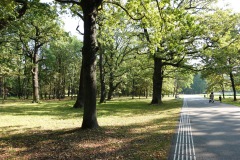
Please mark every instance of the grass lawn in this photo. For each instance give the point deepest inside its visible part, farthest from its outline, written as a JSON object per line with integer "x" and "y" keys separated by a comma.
{"x": 130, "y": 129}
{"x": 229, "y": 100}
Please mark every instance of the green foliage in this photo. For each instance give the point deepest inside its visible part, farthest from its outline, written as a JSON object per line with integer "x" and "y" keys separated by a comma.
{"x": 119, "y": 44}
{"x": 198, "y": 85}
{"x": 38, "y": 30}
{"x": 176, "y": 80}
{"x": 223, "y": 57}
{"x": 7, "y": 8}
{"x": 60, "y": 68}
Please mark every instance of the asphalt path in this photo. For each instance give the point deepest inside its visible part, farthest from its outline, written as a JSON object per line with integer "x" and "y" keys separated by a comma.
{"x": 207, "y": 131}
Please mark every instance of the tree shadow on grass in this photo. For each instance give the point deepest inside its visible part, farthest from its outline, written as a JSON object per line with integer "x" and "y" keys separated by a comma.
{"x": 150, "y": 140}
{"x": 60, "y": 109}
{"x": 64, "y": 109}
{"x": 121, "y": 108}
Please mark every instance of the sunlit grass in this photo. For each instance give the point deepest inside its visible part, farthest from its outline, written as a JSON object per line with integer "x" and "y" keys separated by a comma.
{"x": 130, "y": 129}
{"x": 229, "y": 100}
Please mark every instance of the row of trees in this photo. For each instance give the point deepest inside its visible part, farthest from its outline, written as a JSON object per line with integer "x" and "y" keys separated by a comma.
{"x": 129, "y": 48}
{"x": 222, "y": 61}
{"x": 37, "y": 55}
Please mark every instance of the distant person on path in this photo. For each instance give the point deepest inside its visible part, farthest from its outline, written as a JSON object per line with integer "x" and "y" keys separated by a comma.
{"x": 211, "y": 98}
{"x": 220, "y": 98}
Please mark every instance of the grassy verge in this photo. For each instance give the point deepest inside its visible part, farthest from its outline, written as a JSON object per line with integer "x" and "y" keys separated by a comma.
{"x": 229, "y": 100}
{"x": 130, "y": 129}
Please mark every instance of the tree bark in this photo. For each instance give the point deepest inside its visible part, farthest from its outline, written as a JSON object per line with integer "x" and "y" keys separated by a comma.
{"x": 223, "y": 93}
{"x": 80, "y": 100}
{"x": 64, "y": 86}
{"x": 102, "y": 78}
{"x": 157, "y": 81}
{"x": 35, "y": 78}
{"x": 233, "y": 87}
{"x": 89, "y": 51}
{"x": 112, "y": 88}
{"x": 110, "y": 85}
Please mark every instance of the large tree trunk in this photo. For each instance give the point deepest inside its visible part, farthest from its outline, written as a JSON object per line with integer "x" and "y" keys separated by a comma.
{"x": 35, "y": 79}
{"x": 233, "y": 87}
{"x": 157, "y": 81}
{"x": 89, "y": 51}
{"x": 80, "y": 101}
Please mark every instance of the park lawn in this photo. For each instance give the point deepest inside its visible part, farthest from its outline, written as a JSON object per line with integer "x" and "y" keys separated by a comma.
{"x": 129, "y": 129}
{"x": 229, "y": 100}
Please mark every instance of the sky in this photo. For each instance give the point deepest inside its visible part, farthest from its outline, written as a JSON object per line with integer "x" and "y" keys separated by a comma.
{"x": 72, "y": 23}
{"x": 233, "y": 4}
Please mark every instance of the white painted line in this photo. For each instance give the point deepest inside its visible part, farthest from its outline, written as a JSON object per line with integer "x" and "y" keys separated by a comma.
{"x": 184, "y": 148}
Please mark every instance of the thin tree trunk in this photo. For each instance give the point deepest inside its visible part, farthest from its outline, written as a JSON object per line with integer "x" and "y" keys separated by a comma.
{"x": 28, "y": 91}
{"x": 110, "y": 92}
{"x": 146, "y": 93}
{"x": 80, "y": 96}
{"x": 102, "y": 77}
{"x": 223, "y": 93}
{"x": 25, "y": 80}
{"x": 64, "y": 86}
{"x": 223, "y": 90}
{"x": 35, "y": 79}
{"x": 112, "y": 88}
{"x": 3, "y": 89}
{"x": 69, "y": 90}
{"x": 133, "y": 88}
{"x": 19, "y": 86}
{"x": 233, "y": 87}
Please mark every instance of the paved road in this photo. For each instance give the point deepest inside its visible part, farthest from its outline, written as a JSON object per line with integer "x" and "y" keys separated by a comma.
{"x": 207, "y": 131}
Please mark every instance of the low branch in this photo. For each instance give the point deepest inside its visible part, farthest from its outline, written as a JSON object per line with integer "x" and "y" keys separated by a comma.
{"x": 79, "y": 15}
{"x": 69, "y": 1}
{"x": 79, "y": 30}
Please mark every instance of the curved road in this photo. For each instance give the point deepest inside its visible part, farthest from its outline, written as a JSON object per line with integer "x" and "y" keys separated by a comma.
{"x": 207, "y": 131}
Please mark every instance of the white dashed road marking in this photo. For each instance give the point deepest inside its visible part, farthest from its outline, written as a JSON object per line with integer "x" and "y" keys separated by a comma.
{"x": 184, "y": 149}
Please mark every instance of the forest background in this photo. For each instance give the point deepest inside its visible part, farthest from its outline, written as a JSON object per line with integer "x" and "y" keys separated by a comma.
{"x": 134, "y": 53}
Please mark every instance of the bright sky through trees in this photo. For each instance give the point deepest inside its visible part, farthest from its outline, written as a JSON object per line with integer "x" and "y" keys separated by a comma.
{"x": 233, "y": 4}
{"x": 72, "y": 23}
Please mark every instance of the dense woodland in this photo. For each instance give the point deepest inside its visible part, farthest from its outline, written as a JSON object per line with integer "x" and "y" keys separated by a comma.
{"x": 130, "y": 48}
